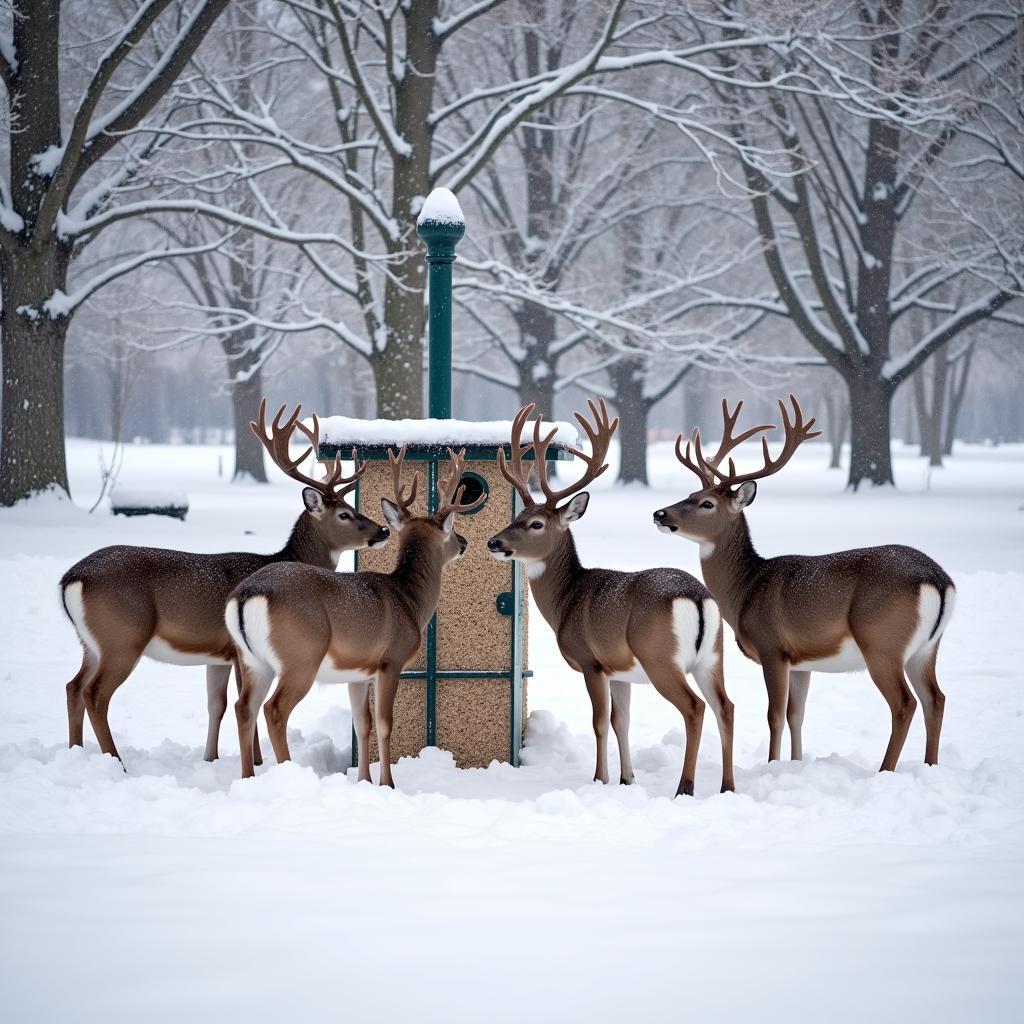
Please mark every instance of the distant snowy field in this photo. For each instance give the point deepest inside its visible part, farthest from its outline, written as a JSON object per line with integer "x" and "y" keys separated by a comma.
{"x": 818, "y": 891}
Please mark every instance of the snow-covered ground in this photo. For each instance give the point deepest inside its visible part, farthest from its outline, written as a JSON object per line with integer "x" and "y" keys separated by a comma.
{"x": 819, "y": 891}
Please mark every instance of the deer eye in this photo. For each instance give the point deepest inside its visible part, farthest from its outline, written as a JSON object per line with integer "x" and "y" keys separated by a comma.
{"x": 707, "y": 504}
{"x": 344, "y": 515}
{"x": 536, "y": 525}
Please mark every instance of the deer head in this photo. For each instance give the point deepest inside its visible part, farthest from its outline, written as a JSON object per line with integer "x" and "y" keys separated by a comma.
{"x": 438, "y": 529}
{"x": 535, "y": 533}
{"x": 710, "y": 512}
{"x": 341, "y": 527}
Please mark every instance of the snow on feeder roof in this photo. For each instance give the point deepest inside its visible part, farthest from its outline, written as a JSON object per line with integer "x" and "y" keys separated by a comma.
{"x": 344, "y": 432}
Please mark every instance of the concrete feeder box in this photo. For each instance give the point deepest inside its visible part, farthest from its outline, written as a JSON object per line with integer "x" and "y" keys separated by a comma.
{"x": 466, "y": 692}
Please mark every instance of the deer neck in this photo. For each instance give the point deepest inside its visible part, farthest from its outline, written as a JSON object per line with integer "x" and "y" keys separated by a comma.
{"x": 417, "y": 579}
{"x": 729, "y": 567}
{"x": 306, "y": 544}
{"x": 554, "y": 580}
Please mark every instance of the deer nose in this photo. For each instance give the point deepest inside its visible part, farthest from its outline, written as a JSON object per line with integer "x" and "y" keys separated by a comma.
{"x": 660, "y": 516}
{"x": 494, "y": 544}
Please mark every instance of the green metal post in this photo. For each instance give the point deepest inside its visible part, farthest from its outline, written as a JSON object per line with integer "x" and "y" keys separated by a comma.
{"x": 441, "y": 237}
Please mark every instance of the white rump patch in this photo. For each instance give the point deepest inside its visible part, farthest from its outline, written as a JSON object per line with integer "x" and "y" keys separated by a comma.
{"x": 75, "y": 605}
{"x": 685, "y": 626}
{"x": 928, "y": 603}
{"x": 160, "y": 650}
{"x": 847, "y": 659}
{"x": 254, "y": 647}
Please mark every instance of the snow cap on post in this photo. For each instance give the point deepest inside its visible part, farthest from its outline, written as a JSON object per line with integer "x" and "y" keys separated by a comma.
{"x": 442, "y": 207}
{"x": 441, "y": 224}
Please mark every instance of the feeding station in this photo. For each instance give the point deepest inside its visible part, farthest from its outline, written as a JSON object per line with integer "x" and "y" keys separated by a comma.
{"x": 466, "y": 693}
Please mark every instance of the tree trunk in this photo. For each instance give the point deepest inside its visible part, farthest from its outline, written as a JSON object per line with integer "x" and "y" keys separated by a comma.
{"x": 537, "y": 332}
{"x": 398, "y": 362}
{"x": 32, "y": 420}
{"x": 628, "y": 380}
{"x": 633, "y": 442}
{"x": 958, "y": 388}
{"x": 870, "y": 432}
{"x": 932, "y": 417}
{"x": 838, "y": 423}
{"x": 246, "y": 392}
{"x": 398, "y": 368}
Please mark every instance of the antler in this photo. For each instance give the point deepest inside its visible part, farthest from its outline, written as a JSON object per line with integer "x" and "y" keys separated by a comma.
{"x": 402, "y": 499}
{"x": 796, "y": 433}
{"x": 600, "y": 434}
{"x": 519, "y": 474}
{"x": 449, "y": 492}
{"x": 334, "y": 485}
{"x": 705, "y": 467}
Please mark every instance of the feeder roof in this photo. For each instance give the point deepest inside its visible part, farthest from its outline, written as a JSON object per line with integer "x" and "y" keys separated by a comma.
{"x": 345, "y": 432}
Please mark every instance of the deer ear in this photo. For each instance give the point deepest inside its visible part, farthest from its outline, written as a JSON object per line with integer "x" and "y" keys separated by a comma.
{"x": 574, "y": 508}
{"x": 393, "y": 514}
{"x": 744, "y": 494}
{"x": 449, "y": 523}
{"x": 314, "y": 501}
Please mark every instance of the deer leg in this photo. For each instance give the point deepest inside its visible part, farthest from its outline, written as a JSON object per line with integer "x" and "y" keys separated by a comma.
{"x": 359, "y": 699}
{"x": 799, "y": 684}
{"x": 217, "y": 677}
{"x": 597, "y": 687}
{"x": 257, "y": 754}
{"x": 887, "y": 674}
{"x": 76, "y": 703}
{"x": 921, "y": 670}
{"x": 776, "y": 679}
{"x": 291, "y": 688}
{"x": 710, "y": 679}
{"x": 384, "y": 715}
{"x": 254, "y": 683}
{"x": 113, "y": 671}
{"x": 621, "y": 692}
{"x": 671, "y": 683}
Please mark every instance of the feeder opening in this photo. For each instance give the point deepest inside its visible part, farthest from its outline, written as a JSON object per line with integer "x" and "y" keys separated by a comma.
{"x": 475, "y": 486}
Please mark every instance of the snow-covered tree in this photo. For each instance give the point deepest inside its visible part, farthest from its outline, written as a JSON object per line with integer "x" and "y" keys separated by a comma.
{"x": 62, "y": 172}
{"x": 391, "y": 106}
{"x": 893, "y": 122}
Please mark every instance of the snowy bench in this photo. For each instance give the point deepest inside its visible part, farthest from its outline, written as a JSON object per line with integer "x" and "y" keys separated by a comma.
{"x": 133, "y": 501}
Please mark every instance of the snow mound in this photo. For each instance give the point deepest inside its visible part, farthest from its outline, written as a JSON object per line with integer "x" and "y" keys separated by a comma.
{"x": 147, "y": 497}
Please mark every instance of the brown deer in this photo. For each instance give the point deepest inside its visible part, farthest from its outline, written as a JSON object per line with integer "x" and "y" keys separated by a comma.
{"x": 301, "y": 623}
{"x": 617, "y": 628}
{"x": 880, "y": 608}
{"x": 129, "y": 602}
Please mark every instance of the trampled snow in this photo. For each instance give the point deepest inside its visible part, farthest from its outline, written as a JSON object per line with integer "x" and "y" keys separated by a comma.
{"x": 822, "y": 889}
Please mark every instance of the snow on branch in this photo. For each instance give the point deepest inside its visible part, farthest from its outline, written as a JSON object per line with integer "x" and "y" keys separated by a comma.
{"x": 60, "y": 304}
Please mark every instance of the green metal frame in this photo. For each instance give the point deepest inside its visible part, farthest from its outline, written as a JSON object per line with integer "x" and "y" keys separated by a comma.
{"x": 515, "y": 675}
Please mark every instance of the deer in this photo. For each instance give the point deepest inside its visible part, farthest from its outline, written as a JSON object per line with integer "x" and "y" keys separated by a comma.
{"x": 130, "y": 602}
{"x": 616, "y": 628}
{"x": 302, "y": 623}
{"x": 883, "y": 609}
